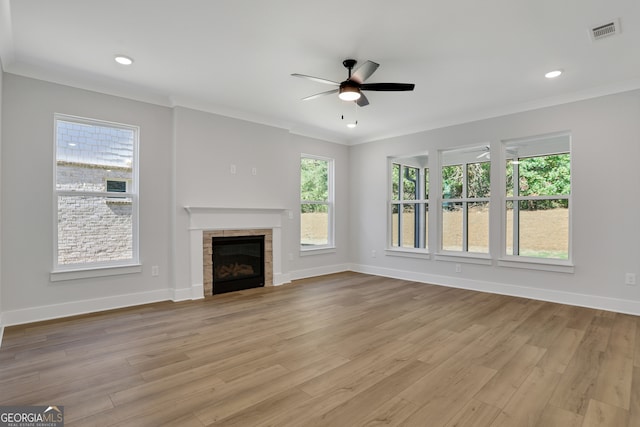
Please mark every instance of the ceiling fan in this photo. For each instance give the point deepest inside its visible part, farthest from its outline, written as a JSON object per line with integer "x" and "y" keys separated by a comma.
{"x": 351, "y": 89}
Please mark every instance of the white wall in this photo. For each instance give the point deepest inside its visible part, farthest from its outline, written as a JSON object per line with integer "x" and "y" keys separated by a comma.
{"x": 207, "y": 145}
{"x": 605, "y": 181}
{"x": 185, "y": 159}
{"x": 27, "y": 202}
{"x": 315, "y": 265}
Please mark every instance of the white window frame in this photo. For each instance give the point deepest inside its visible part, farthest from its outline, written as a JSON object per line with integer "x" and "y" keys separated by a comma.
{"x": 520, "y": 261}
{"x": 330, "y": 246}
{"x": 421, "y": 204}
{"x": 446, "y": 254}
{"x": 103, "y": 268}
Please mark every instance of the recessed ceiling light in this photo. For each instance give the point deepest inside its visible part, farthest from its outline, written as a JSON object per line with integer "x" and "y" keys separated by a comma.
{"x": 123, "y": 60}
{"x": 553, "y": 74}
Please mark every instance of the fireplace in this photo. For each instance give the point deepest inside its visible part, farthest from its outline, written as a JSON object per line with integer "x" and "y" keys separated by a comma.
{"x": 207, "y": 239}
{"x": 206, "y": 222}
{"x": 238, "y": 263}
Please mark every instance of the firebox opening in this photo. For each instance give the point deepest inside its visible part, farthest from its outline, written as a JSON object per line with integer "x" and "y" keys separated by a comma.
{"x": 238, "y": 263}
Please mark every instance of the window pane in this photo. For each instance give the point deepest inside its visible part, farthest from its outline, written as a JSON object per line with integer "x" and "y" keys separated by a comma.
{"x": 395, "y": 182}
{"x": 452, "y": 226}
{"x": 409, "y": 183}
{"x": 509, "y": 183}
{"x": 478, "y": 183}
{"x": 426, "y": 183}
{"x": 94, "y": 229}
{"x": 478, "y": 228}
{"x": 395, "y": 225}
{"x": 314, "y": 182}
{"x": 409, "y": 226}
{"x": 88, "y": 154}
{"x": 544, "y": 228}
{"x": 408, "y": 217}
{"x": 452, "y": 182}
{"x": 114, "y": 186}
{"x": 544, "y": 175}
{"x": 314, "y": 224}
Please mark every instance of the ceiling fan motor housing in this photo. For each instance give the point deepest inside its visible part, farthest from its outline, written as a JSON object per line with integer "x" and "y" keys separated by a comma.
{"x": 349, "y": 63}
{"x": 349, "y": 85}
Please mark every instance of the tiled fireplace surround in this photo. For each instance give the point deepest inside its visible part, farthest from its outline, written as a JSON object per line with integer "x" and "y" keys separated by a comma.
{"x": 208, "y": 222}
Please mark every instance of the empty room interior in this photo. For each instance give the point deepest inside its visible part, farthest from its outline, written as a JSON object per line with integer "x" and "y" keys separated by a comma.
{"x": 285, "y": 213}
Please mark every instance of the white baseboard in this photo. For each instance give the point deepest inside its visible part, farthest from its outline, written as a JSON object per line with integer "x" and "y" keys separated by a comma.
{"x": 318, "y": 271}
{"x": 55, "y": 311}
{"x": 569, "y": 298}
{"x": 281, "y": 279}
{"x": 187, "y": 294}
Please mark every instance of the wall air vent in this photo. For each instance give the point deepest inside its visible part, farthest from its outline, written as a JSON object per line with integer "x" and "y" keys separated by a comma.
{"x": 611, "y": 28}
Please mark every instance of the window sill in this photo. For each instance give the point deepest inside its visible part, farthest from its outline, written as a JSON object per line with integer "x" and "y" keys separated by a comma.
{"x": 537, "y": 264}
{"x": 86, "y": 273}
{"x": 466, "y": 257}
{"x": 408, "y": 253}
{"x": 317, "y": 251}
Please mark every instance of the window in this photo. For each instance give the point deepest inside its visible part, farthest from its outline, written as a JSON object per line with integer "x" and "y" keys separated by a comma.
{"x": 96, "y": 194}
{"x": 409, "y": 203}
{"x": 316, "y": 202}
{"x": 465, "y": 200}
{"x": 538, "y": 187}
{"x": 116, "y": 185}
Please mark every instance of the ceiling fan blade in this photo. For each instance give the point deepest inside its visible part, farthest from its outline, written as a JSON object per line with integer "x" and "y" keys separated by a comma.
{"x": 364, "y": 71}
{"x": 362, "y": 101}
{"x": 318, "y": 95}
{"x": 388, "y": 87}
{"x": 316, "y": 79}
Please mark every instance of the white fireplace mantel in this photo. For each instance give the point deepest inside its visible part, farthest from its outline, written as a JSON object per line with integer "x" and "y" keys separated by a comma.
{"x": 232, "y": 218}
{"x": 217, "y": 218}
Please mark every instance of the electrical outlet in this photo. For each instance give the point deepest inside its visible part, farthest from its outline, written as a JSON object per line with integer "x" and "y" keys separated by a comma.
{"x": 373, "y": 253}
{"x": 458, "y": 268}
{"x": 155, "y": 270}
{"x": 254, "y": 171}
{"x": 232, "y": 169}
{"x": 630, "y": 279}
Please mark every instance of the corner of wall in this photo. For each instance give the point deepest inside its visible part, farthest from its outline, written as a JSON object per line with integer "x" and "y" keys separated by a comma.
{"x": 173, "y": 204}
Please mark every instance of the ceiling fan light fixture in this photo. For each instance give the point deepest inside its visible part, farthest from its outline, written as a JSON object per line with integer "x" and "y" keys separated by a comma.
{"x": 349, "y": 93}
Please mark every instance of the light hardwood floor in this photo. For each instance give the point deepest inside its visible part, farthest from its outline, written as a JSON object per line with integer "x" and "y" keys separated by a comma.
{"x": 340, "y": 350}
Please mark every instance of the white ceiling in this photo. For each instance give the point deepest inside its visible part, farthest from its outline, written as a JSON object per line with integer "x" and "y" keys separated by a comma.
{"x": 469, "y": 59}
